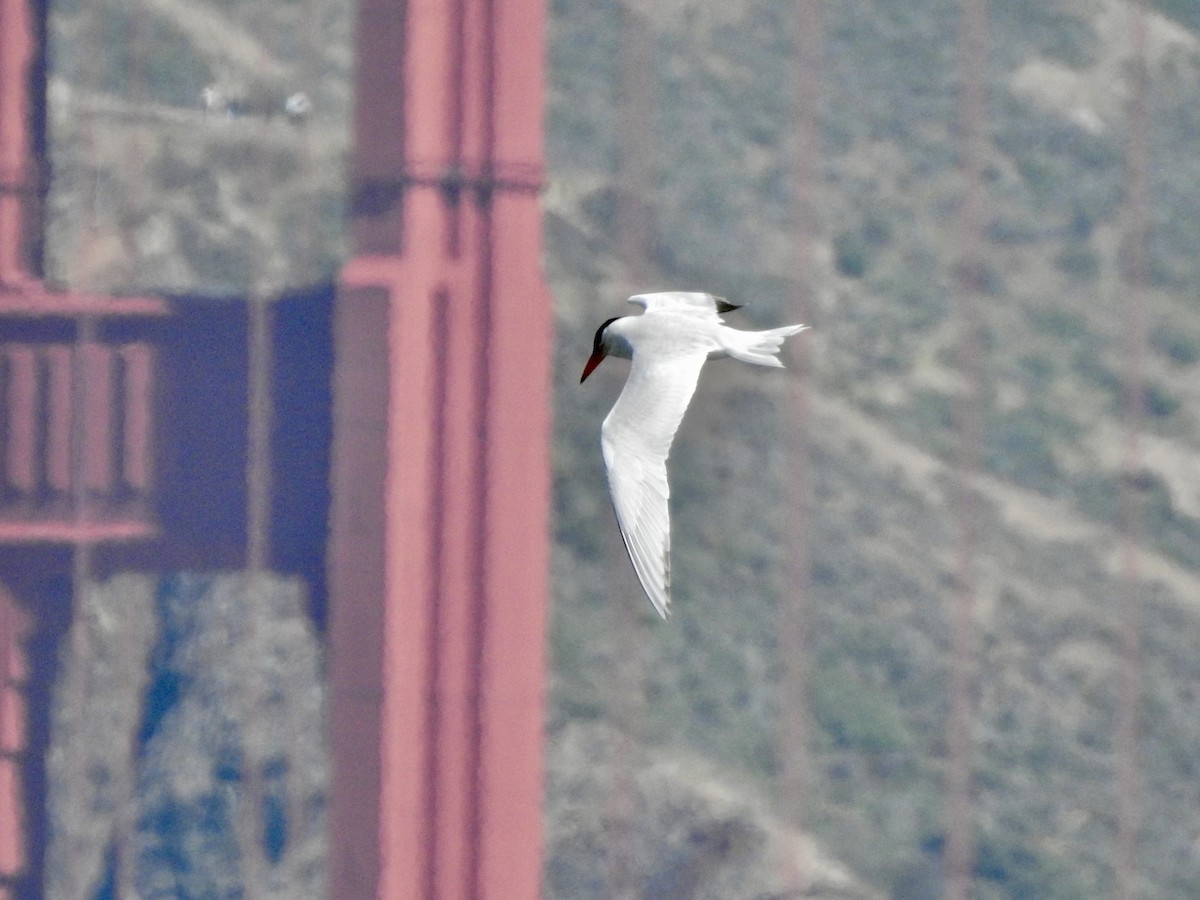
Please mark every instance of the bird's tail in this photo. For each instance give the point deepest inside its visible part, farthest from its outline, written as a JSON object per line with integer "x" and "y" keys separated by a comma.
{"x": 759, "y": 347}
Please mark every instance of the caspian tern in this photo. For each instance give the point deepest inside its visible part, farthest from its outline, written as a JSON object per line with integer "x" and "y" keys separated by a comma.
{"x": 668, "y": 344}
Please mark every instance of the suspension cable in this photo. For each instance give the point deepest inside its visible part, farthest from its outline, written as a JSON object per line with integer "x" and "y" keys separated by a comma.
{"x": 959, "y": 814}
{"x": 637, "y": 155}
{"x": 1134, "y": 278}
{"x": 794, "y": 726}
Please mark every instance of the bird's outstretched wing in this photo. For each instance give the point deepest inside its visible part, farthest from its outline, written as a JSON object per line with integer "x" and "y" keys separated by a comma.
{"x": 635, "y": 439}
{"x": 691, "y": 302}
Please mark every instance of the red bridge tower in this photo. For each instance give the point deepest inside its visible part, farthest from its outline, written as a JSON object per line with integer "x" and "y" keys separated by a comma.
{"x": 439, "y": 533}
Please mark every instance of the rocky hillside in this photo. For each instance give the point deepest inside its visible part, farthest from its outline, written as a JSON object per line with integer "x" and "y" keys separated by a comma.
{"x": 884, "y": 528}
{"x": 198, "y": 148}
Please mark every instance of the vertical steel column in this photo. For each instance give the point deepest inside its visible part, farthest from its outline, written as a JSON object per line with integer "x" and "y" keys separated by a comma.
{"x": 636, "y": 177}
{"x": 16, "y": 55}
{"x": 13, "y": 854}
{"x": 1135, "y": 277}
{"x": 794, "y": 728}
{"x": 637, "y": 151}
{"x": 959, "y": 815}
{"x": 18, "y": 191}
{"x": 439, "y": 528}
{"x": 260, "y": 420}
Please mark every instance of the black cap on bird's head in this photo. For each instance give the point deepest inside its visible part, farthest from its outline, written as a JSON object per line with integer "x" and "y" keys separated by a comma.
{"x": 598, "y": 351}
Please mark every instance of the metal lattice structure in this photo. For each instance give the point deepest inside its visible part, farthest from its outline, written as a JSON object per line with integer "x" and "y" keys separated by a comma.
{"x": 77, "y": 419}
{"x": 443, "y": 332}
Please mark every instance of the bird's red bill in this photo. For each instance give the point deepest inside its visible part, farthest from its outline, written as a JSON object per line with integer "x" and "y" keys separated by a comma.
{"x": 594, "y": 360}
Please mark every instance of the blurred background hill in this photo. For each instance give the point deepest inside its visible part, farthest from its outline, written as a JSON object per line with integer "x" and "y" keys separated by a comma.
{"x": 881, "y": 430}
{"x": 222, "y": 202}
